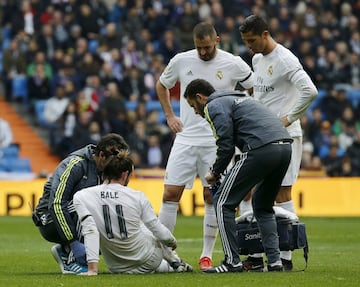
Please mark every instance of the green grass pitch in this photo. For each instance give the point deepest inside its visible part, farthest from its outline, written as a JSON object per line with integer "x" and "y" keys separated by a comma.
{"x": 26, "y": 261}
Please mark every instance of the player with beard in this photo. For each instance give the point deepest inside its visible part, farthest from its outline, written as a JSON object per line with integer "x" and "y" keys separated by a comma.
{"x": 194, "y": 148}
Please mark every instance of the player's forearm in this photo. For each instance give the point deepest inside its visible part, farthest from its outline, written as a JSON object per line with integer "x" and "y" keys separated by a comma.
{"x": 308, "y": 93}
{"x": 164, "y": 98}
{"x": 161, "y": 233}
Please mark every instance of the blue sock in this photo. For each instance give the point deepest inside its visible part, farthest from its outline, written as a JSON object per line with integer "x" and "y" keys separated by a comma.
{"x": 79, "y": 252}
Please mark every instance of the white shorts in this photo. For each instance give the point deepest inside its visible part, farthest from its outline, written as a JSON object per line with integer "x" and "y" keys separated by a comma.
{"x": 185, "y": 162}
{"x": 294, "y": 166}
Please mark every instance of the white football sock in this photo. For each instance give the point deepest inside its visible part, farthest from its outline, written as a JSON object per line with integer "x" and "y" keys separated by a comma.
{"x": 289, "y": 206}
{"x": 210, "y": 231}
{"x": 168, "y": 213}
{"x": 245, "y": 206}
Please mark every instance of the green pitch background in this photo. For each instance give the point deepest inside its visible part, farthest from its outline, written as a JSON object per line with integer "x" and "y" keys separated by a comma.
{"x": 26, "y": 261}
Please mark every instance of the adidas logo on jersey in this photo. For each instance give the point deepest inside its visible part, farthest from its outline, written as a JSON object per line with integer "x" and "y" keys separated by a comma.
{"x": 189, "y": 73}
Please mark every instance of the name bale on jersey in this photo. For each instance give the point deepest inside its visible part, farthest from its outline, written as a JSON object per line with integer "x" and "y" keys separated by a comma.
{"x": 109, "y": 194}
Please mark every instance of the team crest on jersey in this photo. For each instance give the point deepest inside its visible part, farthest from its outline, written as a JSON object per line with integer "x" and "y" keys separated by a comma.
{"x": 219, "y": 75}
{"x": 270, "y": 70}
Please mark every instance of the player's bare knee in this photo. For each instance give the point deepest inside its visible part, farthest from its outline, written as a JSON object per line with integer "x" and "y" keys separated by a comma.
{"x": 173, "y": 193}
{"x": 284, "y": 194}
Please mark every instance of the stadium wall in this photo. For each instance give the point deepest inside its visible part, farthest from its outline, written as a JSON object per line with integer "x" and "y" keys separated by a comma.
{"x": 312, "y": 197}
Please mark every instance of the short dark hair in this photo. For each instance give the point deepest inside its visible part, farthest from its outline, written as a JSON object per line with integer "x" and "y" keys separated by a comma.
{"x": 204, "y": 29}
{"x": 198, "y": 86}
{"x": 110, "y": 144}
{"x": 254, "y": 24}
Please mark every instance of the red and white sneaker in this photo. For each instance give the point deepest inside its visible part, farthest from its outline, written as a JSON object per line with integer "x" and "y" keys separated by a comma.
{"x": 205, "y": 263}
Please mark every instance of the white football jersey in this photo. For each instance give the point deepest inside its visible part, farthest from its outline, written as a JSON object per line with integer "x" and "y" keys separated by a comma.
{"x": 223, "y": 72}
{"x": 119, "y": 213}
{"x": 281, "y": 84}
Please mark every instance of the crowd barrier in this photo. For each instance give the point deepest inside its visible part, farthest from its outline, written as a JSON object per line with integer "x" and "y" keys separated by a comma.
{"x": 312, "y": 196}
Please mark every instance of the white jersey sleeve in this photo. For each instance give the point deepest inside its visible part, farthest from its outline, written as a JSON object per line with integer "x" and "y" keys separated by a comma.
{"x": 89, "y": 229}
{"x": 282, "y": 85}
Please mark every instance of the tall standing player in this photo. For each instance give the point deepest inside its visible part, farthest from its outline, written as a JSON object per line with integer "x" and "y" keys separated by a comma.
{"x": 283, "y": 86}
{"x": 194, "y": 149}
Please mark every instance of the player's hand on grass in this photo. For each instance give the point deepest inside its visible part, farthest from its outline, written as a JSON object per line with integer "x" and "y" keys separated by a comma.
{"x": 89, "y": 273}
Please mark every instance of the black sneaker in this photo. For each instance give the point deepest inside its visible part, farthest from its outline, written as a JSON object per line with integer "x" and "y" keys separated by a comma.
{"x": 275, "y": 268}
{"x": 253, "y": 263}
{"x": 288, "y": 265}
{"x": 225, "y": 268}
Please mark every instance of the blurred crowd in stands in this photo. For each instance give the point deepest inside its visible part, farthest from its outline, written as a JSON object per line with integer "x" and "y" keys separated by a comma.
{"x": 95, "y": 64}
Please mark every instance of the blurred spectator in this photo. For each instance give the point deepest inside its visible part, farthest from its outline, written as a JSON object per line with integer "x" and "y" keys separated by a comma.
{"x": 333, "y": 141}
{"x": 129, "y": 54}
{"x": 184, "y": 26}
{"x": 314, "y": 124}
{"x": 333, "y": 162}
{"x": 39, "y": 87}
{"x": 88, "y": 65}
{"x": 6, "y": 136}
{"x": 63, "y": 136}
{"x": 322, "y": 137}
{"x": 355, "y": 69}
{"x": 14, "y": 64}
{"x": 32, "y": 50}
{"x": 118, "y": 12}
{"x": 154, "y": 153}
{"x": 138, "y": 142}
{"x": 54, "y": 108}
{"x": 152, "y": 75}
{"x": 155, "y": 21}
{"x": 60, "y": 32}
{"x": 168, "y": 45}
{"x": 134, "y": 21}
{"x": 133, "y": 86}
{"x": 203, "y": 10}
{"x": 306, "y": 159}
{"x": 348, "y": 169}
{"x": 347, "y": 135}
{"x": 88, "y": 22}
{"x": 99, "y": 9}
{"x": 353, "y": 152}
{"x": 111, "y": 37}
{"x": 89, "y": 98}
{"x": 113, "y": 108}
{"x": 347, "y": 117}
{"x": 47, "y": 41}
{"x": 40, "y": 58}
{"x": 333, "y": 104}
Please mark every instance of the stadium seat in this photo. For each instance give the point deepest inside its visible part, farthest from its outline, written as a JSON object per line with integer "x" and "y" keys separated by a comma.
{"x": 4, "y": 165}
{"x": 11, "y": 151}
{"x": 1, "y": 62}
{"x": 153, "y": 105}
{"x": 39, "y": 107}
{"x": 131, "y": 106}
{"x": 19, "y": 165}
{"x": 93, "y": 44}
{"x": 354, "y": 97}
{"x": 176, "y": 107}
{"x": 20, "y": 89}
